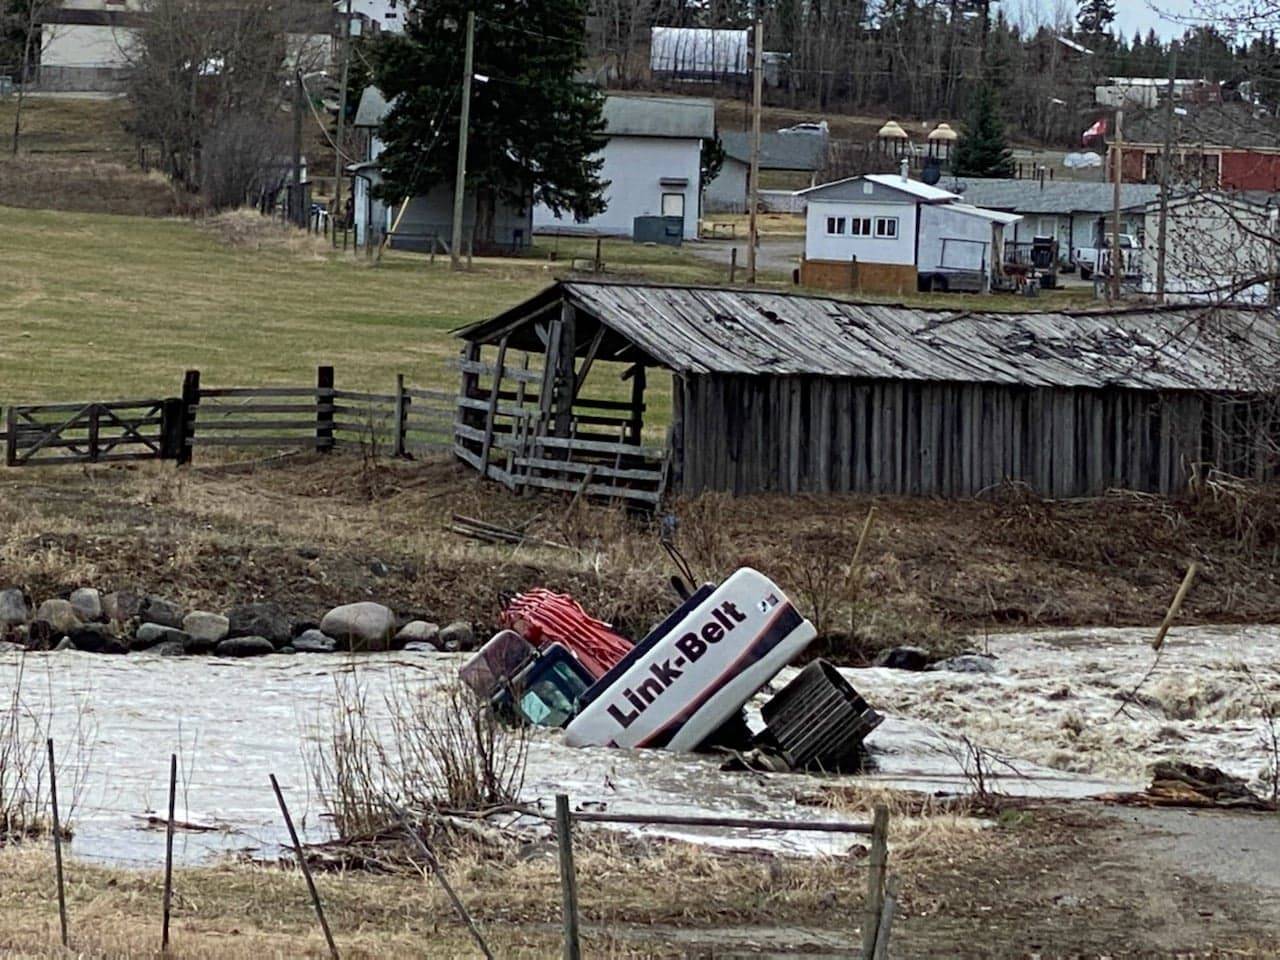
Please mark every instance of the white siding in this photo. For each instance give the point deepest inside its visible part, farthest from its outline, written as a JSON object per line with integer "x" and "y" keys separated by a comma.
{"x": 820, "y": 245}
{"x": 635, "y": 167}
{"x": 1212, "y": 252}
{"x": 85, "y": 45}
{"x": 953, "y": 240}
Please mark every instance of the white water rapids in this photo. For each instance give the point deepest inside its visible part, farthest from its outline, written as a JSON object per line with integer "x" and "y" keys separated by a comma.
{"x": 1048, "y": 713}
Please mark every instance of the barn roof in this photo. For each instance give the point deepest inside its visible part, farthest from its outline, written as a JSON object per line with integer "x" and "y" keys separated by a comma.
{"x": 1052, "y": 196}
{"x": 739, "y": 331}
{"x": 685, "y": 118}
{"x": 778, "y": 151}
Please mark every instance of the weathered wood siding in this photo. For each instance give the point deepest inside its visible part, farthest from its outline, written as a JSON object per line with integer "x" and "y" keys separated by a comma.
{"x": 819, "y": 434}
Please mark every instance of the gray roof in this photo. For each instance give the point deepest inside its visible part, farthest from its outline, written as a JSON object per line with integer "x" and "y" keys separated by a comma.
{"x": 778, "y": 151}
{"x": 737, "y": 331}
{"x": 373, "y": 107}
{"x": 1054, "y": 196}
{"x": 684, "y": 117}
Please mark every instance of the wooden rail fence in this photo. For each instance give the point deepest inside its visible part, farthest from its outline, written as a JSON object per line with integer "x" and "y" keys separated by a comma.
{"x": 513, "y": 434}
{"x": 321, "y": 417}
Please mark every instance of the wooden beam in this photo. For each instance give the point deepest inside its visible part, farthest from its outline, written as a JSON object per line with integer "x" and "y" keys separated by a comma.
{"x": 493, "y": 404}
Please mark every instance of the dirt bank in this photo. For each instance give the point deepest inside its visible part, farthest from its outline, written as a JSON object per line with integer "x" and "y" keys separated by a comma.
{"x": 313, "y": 532}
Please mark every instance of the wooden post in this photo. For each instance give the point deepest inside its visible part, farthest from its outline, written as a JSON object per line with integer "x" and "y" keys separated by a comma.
{"x": 568, "y": 879}
{"x": 757, "y": 80}
{"x": 1174, "y": 608}
{"x": 886, "y": 920}
{"x": 564, "y": 372}
{"x": 95, "y": 422}
{"x": 492, "y": 412}
{"x": 1165, "y": 161}
{"x": 57, "y": 843}
{"x": 324, "y": 409}
{"x": 402, "y": 403}
{"x": 1117, "y": 260}
{"x": 190, "y": 401}
{"x": 464, "y": 123}
{"x": 168, "y": 854}
{"x": 875, "y": 880}
{"x": 733, "y": 264}
{"x": 637, "y": 403}
{"x": 11, "y": 438}
{"x": 597, "y": 263}
{"x": 306, "y": 870}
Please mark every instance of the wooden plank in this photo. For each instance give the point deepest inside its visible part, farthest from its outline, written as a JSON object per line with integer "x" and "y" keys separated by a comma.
{"x": 795, "y": 434}
{"x": 22, "y": 410}
{"x": 257, "y": 425}
{"x": 652, "y": 475}
{"x": 263, "y": 392}
{"x": 378, "y": 398}
{"x": 308, "y": 441}
{"x": 239, "y": 409}
{"x": 843, "y": 425}
{"x": 499, "y": 367}
{"x": 597, "y": 446}
{"x": 517, "y": 374}
{"x": 594, "y": 489}
{"x": 442, "y": 395}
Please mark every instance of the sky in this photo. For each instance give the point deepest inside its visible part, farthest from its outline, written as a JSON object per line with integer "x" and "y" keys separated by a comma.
{"x": 1142, "y": 15}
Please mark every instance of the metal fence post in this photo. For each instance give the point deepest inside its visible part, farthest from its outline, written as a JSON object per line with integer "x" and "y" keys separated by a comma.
{"x": 11, "y": 438}
{"x": 324, "y": 409}
{"x": 57, "y": 842}
{"x": 568, "y": 878}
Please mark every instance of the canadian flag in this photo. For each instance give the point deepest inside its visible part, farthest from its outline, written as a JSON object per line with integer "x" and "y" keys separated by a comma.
{"x": 1099, "y": 129}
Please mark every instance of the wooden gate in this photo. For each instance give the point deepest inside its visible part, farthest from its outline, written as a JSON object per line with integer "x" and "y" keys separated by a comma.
{"x": 122, "y": 430}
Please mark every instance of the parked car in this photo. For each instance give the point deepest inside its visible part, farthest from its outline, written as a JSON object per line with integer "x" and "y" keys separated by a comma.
{"x": 1091, "y": 260}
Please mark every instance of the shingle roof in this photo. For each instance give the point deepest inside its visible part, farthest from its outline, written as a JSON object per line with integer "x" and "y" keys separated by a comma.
{"x": 683, "y": 118}
{"x": 1230, "y": 124}
{"x": 738, "y": 331}
{"x": 1054, "y": 196}
{"x": 779, "y": 151}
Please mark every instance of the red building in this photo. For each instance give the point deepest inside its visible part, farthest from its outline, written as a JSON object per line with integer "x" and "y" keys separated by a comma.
{"x": 1232, "y": 146}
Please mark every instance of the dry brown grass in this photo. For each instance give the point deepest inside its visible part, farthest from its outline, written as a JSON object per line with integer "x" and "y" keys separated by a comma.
{"x": 86, "y": 185}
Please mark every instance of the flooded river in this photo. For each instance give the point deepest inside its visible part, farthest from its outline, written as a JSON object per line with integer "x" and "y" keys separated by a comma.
{"x": 1047, "y": 713}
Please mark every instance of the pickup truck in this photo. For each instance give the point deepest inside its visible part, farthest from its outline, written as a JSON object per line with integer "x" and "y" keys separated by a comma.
{"x": 1091, "y": 260}
{"x": 683, "y": 686}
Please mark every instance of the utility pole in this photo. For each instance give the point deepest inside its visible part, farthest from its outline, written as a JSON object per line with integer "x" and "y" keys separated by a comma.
{"x": 1165, "y": 160}
{"x": 1117, "y": 261}
{"x": 299, "y": 104}
{"x": 464, "y": 123}
{"x": 342, "y": 114}
{"x": 757, "y": 83}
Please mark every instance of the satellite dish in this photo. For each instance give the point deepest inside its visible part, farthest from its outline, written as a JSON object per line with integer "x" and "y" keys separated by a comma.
{"x": 931, "y": 174}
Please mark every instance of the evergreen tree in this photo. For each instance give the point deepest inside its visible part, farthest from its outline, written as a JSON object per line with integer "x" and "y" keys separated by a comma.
{"x": 1093, "y": 17}
{"x": 982, "y": 150}
{"x": 535, "y": 130}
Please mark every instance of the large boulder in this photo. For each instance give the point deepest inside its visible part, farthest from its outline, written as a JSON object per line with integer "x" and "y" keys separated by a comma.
{"x": 122, "y": 605}
{"x": 87, "y": 603}
{"x": 59, "y": 615}
{"x": 149, "y": 634}
{"x": 210, "y": 627}
{"x": 264, "y": 620}
{"x": 96, "y": 638}
{"x": 360, "y": 626}
{"x": 418, "y": 631}
{"x": 313, "y": 641}
{"x": 903, "y": 658}
{"x": 457, "y": 636}
{"x": 14, "y": 610}
{"x": 244, "y": 647}
{"x": 161, "y": 611}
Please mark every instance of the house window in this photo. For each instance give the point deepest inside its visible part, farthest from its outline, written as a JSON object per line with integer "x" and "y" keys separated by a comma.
{"x": 887, "y": 227}
{"x": 860, "y": 226}
{"x": 835, "y": 226}
{"x": 673, "y": 205}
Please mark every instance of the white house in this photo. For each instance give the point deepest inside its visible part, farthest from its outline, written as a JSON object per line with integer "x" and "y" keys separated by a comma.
{"x": 652, "y": 164}
{"x": 1219, "y": 247}
{"x": 426, "y": 222}
{"x": 886, "y": 233}
{"x": 386, "y": 15}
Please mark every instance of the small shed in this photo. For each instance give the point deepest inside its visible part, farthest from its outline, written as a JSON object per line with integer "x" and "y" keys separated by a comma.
{"x": 772, "y": 391}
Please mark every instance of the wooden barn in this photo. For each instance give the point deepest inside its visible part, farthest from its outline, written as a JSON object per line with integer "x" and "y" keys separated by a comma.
{"x": 771, "y": 391}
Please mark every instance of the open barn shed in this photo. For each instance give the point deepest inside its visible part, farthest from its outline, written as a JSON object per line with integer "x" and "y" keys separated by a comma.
{"x": 772, "y": 391}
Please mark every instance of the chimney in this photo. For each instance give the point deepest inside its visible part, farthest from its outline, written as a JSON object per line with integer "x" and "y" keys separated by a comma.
{"x": 902, "y": 169}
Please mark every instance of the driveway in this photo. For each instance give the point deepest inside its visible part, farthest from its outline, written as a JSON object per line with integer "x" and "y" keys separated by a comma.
{"x": 775, "y": 254}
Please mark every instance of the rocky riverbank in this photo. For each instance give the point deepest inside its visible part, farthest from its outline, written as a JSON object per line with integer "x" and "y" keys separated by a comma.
{"x": 126, "y": 621}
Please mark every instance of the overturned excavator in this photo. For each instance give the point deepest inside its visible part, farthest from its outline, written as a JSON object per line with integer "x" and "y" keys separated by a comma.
{"x": 684, "y": 686}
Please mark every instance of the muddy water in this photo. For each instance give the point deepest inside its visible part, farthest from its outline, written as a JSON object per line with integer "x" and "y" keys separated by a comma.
{"x": 1047, "y": 711}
